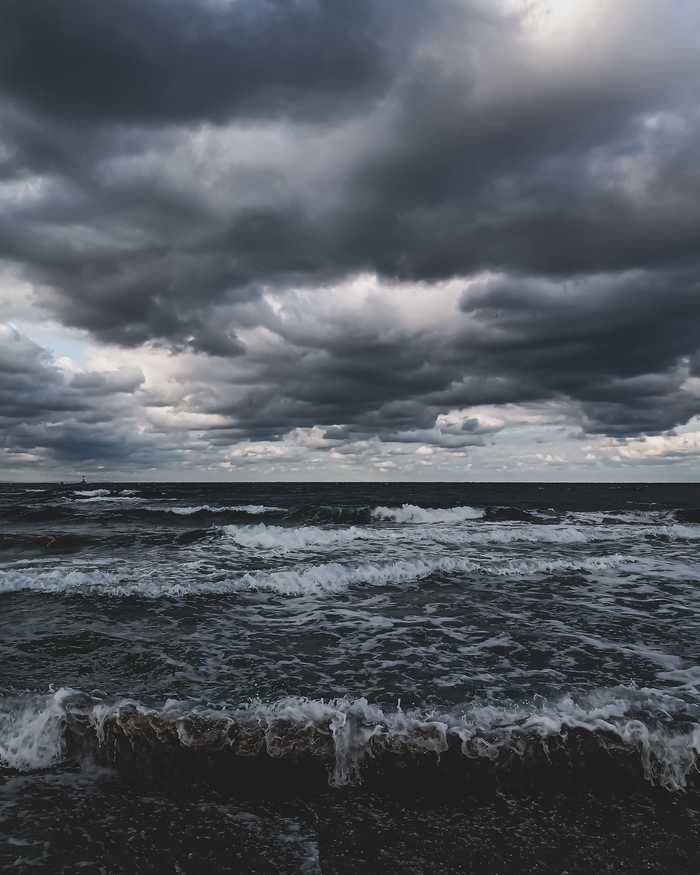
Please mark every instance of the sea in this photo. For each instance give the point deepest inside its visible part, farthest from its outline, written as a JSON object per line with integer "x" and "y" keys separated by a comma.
{"x": 349, "y": 678}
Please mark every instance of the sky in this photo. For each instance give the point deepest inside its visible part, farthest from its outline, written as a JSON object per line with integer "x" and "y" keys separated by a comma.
{"x": 367, "y": 240}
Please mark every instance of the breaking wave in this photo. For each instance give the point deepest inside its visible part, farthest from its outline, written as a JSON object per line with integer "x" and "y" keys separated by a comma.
{"x": 282, "y": 539}
{"x": 330, "y": 577}
{"x": 609, "y": 734}
{"x": 620, "y": 517}
{"x": 675, "y": 532}
{"x": 411, "y": 513}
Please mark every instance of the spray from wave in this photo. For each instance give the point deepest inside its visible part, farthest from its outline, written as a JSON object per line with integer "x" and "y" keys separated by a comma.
{"x": 32, "y": 730}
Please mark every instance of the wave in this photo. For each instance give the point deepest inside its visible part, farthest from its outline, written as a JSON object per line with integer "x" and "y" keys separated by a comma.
{"x": 252, "y": 509}
{"x": 287, "y": 538}
{"x": 609, "y": 734}
{"x": 518, "y": 533}
{"x": 412, "y": 513}
{"x": 111, "y": 499}
{"x": 333, "y": 577}
{"x": 619, "y": 517}
{"x": 106, "y": 495}
{"x": 282, "y": 539}
{"x": 315, "y": 580}
{"x": 276, "y": 539}
{"x": 564, "y": 534}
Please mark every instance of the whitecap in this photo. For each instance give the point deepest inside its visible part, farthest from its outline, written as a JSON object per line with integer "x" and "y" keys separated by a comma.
{"x": 412, "y": 513}
{"x": 283, "y": 539}
{"x": 317, "y": 580}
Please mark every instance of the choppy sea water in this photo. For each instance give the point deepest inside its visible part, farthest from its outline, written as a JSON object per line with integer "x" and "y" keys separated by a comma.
{"x": 349, "y": 678}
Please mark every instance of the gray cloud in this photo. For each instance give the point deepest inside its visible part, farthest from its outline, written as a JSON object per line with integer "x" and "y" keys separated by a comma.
{"x": 48, "y": 416}
{"x": 165, "y": 167}
{"x": 595, "y": 343}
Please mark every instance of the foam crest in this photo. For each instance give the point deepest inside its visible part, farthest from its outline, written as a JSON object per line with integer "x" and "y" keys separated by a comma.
{"x": 516, "y": 532}
{"x": 252, "y": 509}
{"x": 333, "y": 577}
{"x": 91, "y": 493}
{"x": 680, "y": 532}
{"x": 112, "y": 499}
{"x": 620, "y": 517}
{"x": 411, "y": 513}
{"x": 56, "y": 580}
{"x": 326, "y": 578}
{"x": 283, "y": 539}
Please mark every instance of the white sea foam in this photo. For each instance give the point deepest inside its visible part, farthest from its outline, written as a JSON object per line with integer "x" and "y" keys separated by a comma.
{"x": 411, "y": 513}
{"x": 283, "y": 539}
{"x": 334, "y": 577}
{"x": 506, "y": 533}
{"x": 252, "y": 509}
{"x": 679, "y": 532}
{"x": 621, "y": 517}
{"x": 563, "y": 533}
{"x": 60, "y": 580}
{"x": 287, "y": 538}
{"x": 110, "y": 499}
{"x": 91, "y": 493}
{"x": 351, "y": 731}
{"x": 317, "y": 580}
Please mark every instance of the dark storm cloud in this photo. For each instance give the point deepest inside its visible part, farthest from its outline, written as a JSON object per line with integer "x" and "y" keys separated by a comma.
{"x": 596, "y": 343}
{"x": 164, "y": 61}
{"x": 167, "y": 162}
{"x": 83, "y": 84}
{"x": 618, "y": 344}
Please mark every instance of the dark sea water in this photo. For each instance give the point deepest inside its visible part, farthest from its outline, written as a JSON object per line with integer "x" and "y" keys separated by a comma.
{"x": 399, "y": 678}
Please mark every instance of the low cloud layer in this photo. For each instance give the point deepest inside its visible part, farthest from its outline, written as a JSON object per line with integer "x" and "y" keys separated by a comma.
{"x": 446, "y": 237}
